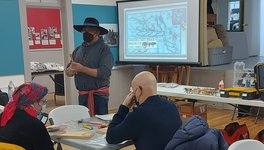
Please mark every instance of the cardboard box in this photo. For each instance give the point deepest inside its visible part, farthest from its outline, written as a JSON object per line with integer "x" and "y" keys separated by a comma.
{"x": 188, "y": 109}
{"x": 184, "y": 117}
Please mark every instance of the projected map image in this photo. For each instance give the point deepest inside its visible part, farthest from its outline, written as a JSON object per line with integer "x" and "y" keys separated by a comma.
{"x": 157, "y": 32}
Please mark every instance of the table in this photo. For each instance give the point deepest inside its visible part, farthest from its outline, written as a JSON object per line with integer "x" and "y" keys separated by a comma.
{"x": 97, "y": 142}
{"x": 180, "y": 92}
{"x": 46, "y": 73}
{"x": 92, "y": 143}
{"x": 51, "y": 74}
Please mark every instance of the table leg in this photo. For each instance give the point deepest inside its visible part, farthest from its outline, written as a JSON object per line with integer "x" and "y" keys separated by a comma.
{"x": 257, "y": 115}
{"x": 233, "y": 115}
{"x": 53, "y": 79}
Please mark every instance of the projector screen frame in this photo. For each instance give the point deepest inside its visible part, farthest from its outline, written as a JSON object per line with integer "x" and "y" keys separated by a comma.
{"x": 164, "y": 62}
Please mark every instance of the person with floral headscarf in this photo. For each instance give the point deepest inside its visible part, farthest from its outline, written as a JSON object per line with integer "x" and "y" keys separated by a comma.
{"x": 18, "y": 122}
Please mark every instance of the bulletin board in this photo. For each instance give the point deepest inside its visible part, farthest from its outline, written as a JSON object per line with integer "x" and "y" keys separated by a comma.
{"x": 44, "y": 28}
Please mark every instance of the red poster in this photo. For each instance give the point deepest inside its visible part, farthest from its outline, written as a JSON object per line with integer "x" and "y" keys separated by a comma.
{"x": 44, "y": 28}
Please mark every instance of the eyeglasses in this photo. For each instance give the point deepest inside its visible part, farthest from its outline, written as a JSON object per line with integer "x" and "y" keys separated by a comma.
{"x": 43, "y": 102}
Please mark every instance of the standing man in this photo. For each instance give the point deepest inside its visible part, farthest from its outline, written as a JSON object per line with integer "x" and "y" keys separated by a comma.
{"x": 91, "y": 67}
{"x": 151, "y": 124}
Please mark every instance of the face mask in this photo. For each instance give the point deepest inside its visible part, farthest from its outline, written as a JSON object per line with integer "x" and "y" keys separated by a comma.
{"x": 39, "y": 115}
{"x": 43, "y": 108}
{"x": 87, "y": 37}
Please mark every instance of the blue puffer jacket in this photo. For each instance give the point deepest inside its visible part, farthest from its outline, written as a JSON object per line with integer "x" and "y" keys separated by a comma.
{"x": 195, "y": 135}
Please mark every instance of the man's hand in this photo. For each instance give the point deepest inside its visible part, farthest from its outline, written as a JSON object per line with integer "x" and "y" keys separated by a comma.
{"x": 70, "y": 72}
{"x": 129, "y": 102}
{"x": 76, "y": 66}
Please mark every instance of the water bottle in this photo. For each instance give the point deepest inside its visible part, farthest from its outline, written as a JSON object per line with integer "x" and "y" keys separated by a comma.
{"x": 11, "y": 89}
{"x": 221, "y": 85}
{"x": 248, "y": 80}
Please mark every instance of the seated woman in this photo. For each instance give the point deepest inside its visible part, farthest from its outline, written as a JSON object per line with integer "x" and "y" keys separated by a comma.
{"x": 18, "y": 122}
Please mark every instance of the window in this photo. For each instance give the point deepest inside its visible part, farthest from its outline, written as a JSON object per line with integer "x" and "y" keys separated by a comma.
{"x": 235, "y": 15}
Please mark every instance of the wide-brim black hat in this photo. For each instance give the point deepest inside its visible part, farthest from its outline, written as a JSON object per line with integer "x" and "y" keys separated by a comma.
{"x": 92, "y": 23}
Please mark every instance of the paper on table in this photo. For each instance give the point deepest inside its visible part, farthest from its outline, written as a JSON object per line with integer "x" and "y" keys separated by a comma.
{"x": 107, "y": 117}
{"x": 168, "y": 85}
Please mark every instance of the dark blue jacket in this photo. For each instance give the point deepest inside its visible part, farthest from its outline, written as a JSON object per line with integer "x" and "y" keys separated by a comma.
{"x": 150, "y": 126}
{"x": 195, "y": 135}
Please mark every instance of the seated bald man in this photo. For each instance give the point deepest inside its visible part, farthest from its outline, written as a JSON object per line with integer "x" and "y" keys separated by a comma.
{"x": 151, "y": 124}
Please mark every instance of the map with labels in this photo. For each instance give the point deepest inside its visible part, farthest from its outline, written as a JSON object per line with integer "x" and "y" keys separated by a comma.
{"x": 157, "y": 32}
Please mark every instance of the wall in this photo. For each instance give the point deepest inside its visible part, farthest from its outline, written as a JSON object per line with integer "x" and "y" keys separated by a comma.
{"x": 222, "y": 12}
{"x": 252, "y": 26}
{"x": 240, "y": 45}
{"x": 15, "y": 52}
{"x": 48, "y": 54}
{"x": 121, "y": 75}
{"x": 79, "y": 8}
{"x": 210, "y": 77}
{"x": 261, "y": 28}
{"x": 120, "y": 83}
{"x": 17, "y": 73}
{"x": 96, "y": 2}
{"x": 11, "y": 47}
{"x": 251, "y": 17}
{"x": 106, "y": 13}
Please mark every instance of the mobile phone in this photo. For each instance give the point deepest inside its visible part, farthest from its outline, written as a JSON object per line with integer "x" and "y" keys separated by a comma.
{"x": 44, "y": 118}
{"x": 135, "y": 100}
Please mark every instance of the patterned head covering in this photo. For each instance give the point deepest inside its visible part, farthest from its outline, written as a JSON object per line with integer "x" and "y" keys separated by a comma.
{"x": 23, "y": 97}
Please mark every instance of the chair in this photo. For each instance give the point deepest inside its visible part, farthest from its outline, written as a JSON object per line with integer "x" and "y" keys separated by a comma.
{"x": 172, "y": 74}
{"x": 9, "y": 146}
{"x": 246, "y": 144}
{"x": 68, "y": 113}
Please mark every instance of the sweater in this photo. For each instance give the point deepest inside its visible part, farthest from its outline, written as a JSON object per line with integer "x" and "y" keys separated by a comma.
{"x": 150, "y": 125}
{"x": 26, "y": 131}
{"x": 98, "y": 56}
